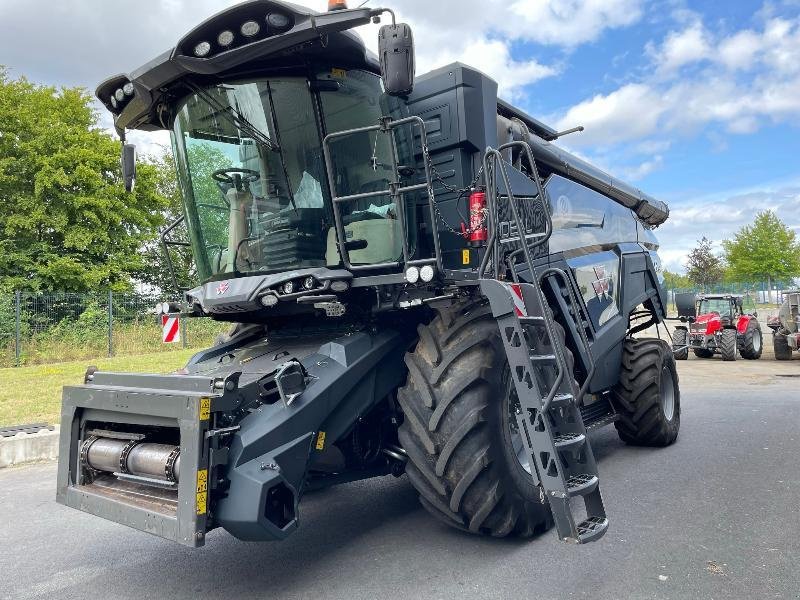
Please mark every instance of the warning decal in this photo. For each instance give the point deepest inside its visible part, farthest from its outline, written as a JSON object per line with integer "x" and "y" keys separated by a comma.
{"x": 202, "y": 491}
{"x": 321, "y": 441}
{"x": 519, "y": 303}
{"x": 205, "y": 409}
{"x": 170, "y": 329}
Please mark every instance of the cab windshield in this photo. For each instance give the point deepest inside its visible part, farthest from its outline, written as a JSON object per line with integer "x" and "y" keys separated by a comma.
{"x": 720, "y": 306}
{"x": 251, "y": 169}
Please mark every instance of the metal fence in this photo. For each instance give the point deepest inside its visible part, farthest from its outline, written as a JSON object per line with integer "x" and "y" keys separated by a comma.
{"x": 759, "y": 292}
{"x": 58, "y": 327}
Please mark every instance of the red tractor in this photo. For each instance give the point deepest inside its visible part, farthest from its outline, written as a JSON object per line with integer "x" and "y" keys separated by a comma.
{"x": 717, "y": 324}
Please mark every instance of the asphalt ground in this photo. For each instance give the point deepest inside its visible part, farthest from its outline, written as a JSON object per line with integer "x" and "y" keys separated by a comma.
{"x": 714, "y": 516}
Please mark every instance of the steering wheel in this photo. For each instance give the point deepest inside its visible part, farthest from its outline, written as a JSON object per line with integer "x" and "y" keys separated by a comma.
{"x": 236, "y": 177}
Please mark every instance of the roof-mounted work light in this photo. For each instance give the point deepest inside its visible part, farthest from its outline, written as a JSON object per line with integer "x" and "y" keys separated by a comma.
{"x": 337, "y": 5}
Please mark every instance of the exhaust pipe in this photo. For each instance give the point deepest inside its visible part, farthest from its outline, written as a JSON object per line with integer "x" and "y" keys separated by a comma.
{"x": 132, "y": 457}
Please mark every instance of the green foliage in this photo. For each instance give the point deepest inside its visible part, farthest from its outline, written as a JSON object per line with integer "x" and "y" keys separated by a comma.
{"x": 90, "y": 325}
{"x": 703, "y": 267}
{"x": 766, "y": 250}
{"x": 66, "y": 222}
{"x": 676, "y": 281}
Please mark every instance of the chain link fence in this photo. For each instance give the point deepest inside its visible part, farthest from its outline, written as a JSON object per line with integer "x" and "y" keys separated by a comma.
{"x": 759, "y": 292}
{"x": 59, "y": 327}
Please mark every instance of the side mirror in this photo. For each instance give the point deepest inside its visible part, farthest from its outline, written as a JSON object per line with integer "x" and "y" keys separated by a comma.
{"x": 129, "y": 166}
{"x": 396, "y": 52}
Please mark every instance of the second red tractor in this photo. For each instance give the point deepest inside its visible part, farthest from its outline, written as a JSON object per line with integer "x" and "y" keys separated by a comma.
{"x": 717, "y": 324}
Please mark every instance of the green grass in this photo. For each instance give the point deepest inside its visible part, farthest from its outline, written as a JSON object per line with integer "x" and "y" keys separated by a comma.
{"x": 33, "y": 394}
{"x": 74, "y": 341}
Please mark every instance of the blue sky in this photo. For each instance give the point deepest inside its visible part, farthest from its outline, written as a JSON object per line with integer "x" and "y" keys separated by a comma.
{"x": 695, "y": 101}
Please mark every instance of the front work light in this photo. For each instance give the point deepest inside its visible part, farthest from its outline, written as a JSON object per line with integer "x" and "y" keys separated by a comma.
{"x": 426, "y": 273}
{"x": 225, "y": 38}
{"x": 412, "y": 275}
{"x": 278, "y": 21}
{"x": 202, "y": 49}
{"x": 128, "y": 89}
{"x": 119, "y": 95}
{"x": 250, "y": 28}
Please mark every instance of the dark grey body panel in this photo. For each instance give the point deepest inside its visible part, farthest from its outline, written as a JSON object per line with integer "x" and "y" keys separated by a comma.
{"x": 348, "y": 375}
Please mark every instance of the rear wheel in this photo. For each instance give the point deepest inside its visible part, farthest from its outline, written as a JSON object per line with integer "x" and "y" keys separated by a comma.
{"x": 680, "y": 341}
{"x": 460, "y": 430}
{"x": 727, "y": 344}
{"x": 703, "y": 353}
{"x": 751, "y": 344}
{"x": 648, "y": 397}
{"x": 781, "y": 346}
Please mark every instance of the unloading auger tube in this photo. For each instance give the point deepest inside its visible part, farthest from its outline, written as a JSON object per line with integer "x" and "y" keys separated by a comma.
{"x": 132, "y": 457}
{"x": 652, "y": 212}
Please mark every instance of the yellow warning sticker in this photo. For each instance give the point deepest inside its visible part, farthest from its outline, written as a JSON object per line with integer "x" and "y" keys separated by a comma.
{"x": 205, "y": 409}
{"x": 321, "y": 441}
{"x": 465, "y": 259}
{"x": 339, "y": 73}
{"x": 202, "y": 491}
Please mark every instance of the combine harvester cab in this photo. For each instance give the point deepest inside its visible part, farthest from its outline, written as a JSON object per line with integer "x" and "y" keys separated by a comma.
{"x": 419, "y": 281}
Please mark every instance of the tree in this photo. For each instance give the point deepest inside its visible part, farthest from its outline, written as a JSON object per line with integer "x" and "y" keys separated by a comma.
{"x": 766, "y": 250}
{"x": 66, "y": 222}
{"x": 675, "y": 281}
{"x": 213, "y": 214}
{"x": 703, "y": 267}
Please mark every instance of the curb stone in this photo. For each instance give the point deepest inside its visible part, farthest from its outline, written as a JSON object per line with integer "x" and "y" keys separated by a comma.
{"x": 28, "y": 447}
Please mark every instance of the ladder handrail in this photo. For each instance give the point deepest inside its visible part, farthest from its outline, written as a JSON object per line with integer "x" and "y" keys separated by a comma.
{"x": 581, "y": 332}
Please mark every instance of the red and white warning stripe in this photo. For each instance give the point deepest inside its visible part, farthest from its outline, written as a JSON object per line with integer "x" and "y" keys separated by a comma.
{"x": 519, "y": 302}
{"x": 170, "y": 329}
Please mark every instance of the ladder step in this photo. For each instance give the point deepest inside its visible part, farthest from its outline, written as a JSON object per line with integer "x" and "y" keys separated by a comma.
{"x": 543, "y": 357}
{"x": 560, "y": 400}
{"x": 591, "y": 529}
{"x": 569, "y": 441}
{"x": 580, "y": 485}
{"x": 530, "y": 319}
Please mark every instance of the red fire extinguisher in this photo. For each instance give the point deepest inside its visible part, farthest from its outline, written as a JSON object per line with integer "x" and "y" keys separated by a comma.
{"x": 477, "y": 234}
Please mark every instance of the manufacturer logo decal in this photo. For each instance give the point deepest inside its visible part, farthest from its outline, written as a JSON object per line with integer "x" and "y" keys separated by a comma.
{"x": 602, "y": 285}
{"x": 223, "y": 288}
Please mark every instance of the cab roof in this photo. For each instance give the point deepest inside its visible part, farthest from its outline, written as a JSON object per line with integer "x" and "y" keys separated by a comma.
{"x": 288, "y": 36}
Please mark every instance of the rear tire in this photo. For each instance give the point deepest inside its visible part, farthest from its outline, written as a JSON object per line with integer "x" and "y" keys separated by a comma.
{"x": 781, "y": 346}
{"x": 752, "y": 342}
{"x": 648, "y": 397}
{"x": 703, "y": 353}
{"x": 456, "y": 429}
{"x": 727, "y": 344}
{"x": 680, "y": 341}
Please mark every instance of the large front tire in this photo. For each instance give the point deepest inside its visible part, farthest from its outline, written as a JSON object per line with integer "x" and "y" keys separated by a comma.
{"x": 680, "y": 344}
{"x": 648, "y": 397}
{"x": 456, "y": 430}
{"x": 751, "y": 344}
{"x": 781, "y": 347}
{"x": 728, "y": 344}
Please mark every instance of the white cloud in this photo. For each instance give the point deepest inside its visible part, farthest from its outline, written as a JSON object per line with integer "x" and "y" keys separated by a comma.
{"x": 630, "y": 112}
{"x": 739, "y": 51}
{"x": 82, "y": 42}
{"x": 720, "y": 216}
{"x": 645, "y": 168}
{"x": 672, "y": 101}
{"x": 682, "y": 48}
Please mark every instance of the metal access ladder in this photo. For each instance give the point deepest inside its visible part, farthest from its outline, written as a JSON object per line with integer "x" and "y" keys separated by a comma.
{"x": 550, "y": 419}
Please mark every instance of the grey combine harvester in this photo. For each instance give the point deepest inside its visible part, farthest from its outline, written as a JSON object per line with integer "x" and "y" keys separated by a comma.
{"x": 417, "y": 280}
